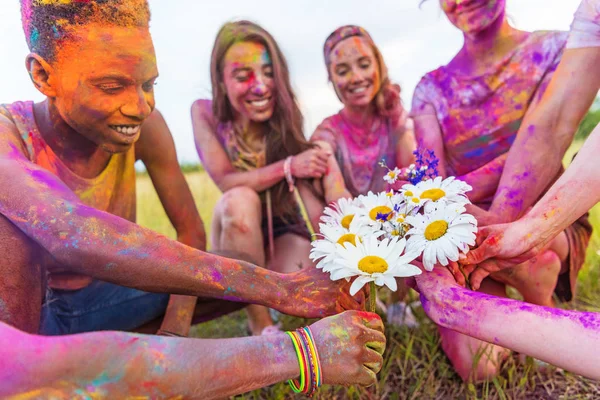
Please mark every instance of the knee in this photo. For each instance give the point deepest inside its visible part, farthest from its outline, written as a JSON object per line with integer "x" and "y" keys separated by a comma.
{"x": 475, "y": 366}
{"x": 239, "y": 201}
{"x": 477, "y": 369}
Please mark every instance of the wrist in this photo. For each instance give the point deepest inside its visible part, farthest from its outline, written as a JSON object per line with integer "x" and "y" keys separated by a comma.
{"x": 288, "y": 172}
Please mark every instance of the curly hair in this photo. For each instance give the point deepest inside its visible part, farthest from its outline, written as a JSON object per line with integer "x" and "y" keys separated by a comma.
{"x": 48, "y": 23}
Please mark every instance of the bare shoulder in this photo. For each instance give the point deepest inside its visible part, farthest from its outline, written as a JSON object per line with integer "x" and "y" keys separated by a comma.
{"x": 10, "y": 138}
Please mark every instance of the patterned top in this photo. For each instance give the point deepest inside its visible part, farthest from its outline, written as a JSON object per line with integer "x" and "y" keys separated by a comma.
{"x": 585, "y": 29}
{"x": 241, "y": 155}
{"x": 479, "y": 116}
{"x": 113, "y": 190}
{"x": 358, "y": 153}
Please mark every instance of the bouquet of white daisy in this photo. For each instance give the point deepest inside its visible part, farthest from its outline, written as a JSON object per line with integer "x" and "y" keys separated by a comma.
{"x": 374, "y": 238}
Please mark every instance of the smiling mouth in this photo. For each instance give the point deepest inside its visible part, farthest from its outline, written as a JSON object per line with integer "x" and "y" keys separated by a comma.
{"x": 259, "y": 103}
{"x": 127, "y": 130}
{"x": 358, "y": 90}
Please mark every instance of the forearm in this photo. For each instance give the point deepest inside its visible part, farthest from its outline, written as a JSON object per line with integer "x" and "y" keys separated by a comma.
{"x": 88, "y": 241}
{"x": 572, "y": 195}
{"x": 533, "y": 161}
{"x": 115, "y": 364}
{"x": 259, "y": 179}
{"x": 541, "y": 332}
{"x": 484, "y": 180}
{"x": 547, "y": 131}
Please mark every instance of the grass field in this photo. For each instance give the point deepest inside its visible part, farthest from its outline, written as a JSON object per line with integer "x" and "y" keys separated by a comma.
{"x": 415, "y": 366}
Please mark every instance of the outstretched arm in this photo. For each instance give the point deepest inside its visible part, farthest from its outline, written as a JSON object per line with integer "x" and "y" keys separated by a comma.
{"x": 571, "y": 196}
{"x": 541, "y": 332}
{"x": 124, "y": 365}
{"x": 547, "y": 131}
{"x": 104, "y": 246}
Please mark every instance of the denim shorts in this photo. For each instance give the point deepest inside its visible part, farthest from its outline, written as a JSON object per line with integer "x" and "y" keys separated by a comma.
{"x": 99, "y": 306}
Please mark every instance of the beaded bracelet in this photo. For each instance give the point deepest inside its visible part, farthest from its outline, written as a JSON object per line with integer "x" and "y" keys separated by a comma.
{"x": 311, "y": 376}
{"x": 287, "y": 171}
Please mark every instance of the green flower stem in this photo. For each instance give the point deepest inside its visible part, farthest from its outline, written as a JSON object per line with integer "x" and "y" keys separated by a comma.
{"x": 372, "y": 297}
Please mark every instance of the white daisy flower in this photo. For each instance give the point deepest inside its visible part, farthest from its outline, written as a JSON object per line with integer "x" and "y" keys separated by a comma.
{"x": 449, "y": 190}
{"x": 374, "y": 261}
{"x": 392, "y": 176}
{"x": 377, "y": 209}
{"x": 325, "y": 250}
{"x": 341, "y": 213}
{"x": 441, "y": 233}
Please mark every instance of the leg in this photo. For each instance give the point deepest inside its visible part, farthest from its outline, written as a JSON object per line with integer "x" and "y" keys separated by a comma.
{"x": 291, "y": 254}
{"x": 22, "y": 284}
{"x": 474, "y": 359}
{"x": 100, "y": 306}
{"x": 536, "y": 279}
{"x": 237, "y": 227}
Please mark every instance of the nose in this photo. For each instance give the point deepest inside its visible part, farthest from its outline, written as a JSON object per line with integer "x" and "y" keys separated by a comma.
{"x": 259, "y": 88}
{"x": 355, "y": 76}
{"x": 139, "y": 105}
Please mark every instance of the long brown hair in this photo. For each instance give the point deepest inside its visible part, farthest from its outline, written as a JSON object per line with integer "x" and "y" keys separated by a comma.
{"x": 344, "y": 32}
{"x": 284, "y": 135}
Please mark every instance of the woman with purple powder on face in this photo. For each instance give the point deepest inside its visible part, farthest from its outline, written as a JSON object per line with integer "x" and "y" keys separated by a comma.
{"x": 469, "y": 112}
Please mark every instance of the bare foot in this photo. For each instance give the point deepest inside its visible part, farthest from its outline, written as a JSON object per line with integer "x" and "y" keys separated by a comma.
{"x": 534, "y": 279}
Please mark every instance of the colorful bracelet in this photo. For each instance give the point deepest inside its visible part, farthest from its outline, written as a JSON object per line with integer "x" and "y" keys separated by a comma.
{"x": 287, "y": 171}
{"x": 311, "y": 377}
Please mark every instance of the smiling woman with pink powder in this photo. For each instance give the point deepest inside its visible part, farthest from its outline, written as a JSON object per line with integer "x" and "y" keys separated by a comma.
{"x": 372, "y": 124}
{"x": 469, "y": 112}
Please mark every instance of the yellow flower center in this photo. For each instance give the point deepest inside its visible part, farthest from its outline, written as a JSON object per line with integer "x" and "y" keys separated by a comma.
{"x": 408, "y": 193}
{"x": 372, "y": 264}
{"x": 436, "y": 230}
{"x": 389, "y": 194}
{"x": 395, "y": 232}
{"x": 383, "y": 212}
{"x": 347, "y": 220}
{"x": 392, "y": 174}
{"x": 433, "y": 194}
{"x": 347, "y": 238}
{"x": 416, "y": 200}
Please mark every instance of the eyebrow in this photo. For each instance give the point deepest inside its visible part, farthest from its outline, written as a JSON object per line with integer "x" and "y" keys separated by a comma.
{"x": 120, "y": 78}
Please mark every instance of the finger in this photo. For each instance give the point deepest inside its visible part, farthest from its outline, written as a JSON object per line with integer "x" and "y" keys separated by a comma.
{"x": 377, "y": 342}
{"x": 360, "y": 298}
{"x": 477, "y": 277}
{"x": 480, "y": 254}
{"x": 366, "y": 377}
{"x": 372, "y": 321}
{"x": 373, "y": 360}
{"x": 323, "y": 155}
{"x": 468, "y": 269}
{"x": 318, "y": 163}
{"x": 348, "y": 302}
{"x": 458, "y": 275}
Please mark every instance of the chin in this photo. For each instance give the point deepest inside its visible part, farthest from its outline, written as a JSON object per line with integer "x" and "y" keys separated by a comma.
{"x": 262, "y": 117}
{"x": 113, "y": 148}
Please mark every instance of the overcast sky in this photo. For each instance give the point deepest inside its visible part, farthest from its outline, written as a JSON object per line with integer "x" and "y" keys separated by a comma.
{"x": 413, "y": 41}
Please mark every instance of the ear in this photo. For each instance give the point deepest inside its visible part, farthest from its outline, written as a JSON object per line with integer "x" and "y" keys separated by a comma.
{"x": 41, "y": 74}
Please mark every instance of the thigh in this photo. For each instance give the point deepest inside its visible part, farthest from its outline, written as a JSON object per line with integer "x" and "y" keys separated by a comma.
{"x": 291, "y": 253}
{"x": 101, "y": 306}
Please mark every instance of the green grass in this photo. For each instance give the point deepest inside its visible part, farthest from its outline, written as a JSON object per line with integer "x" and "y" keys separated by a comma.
{"x": 415, "y": 366}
